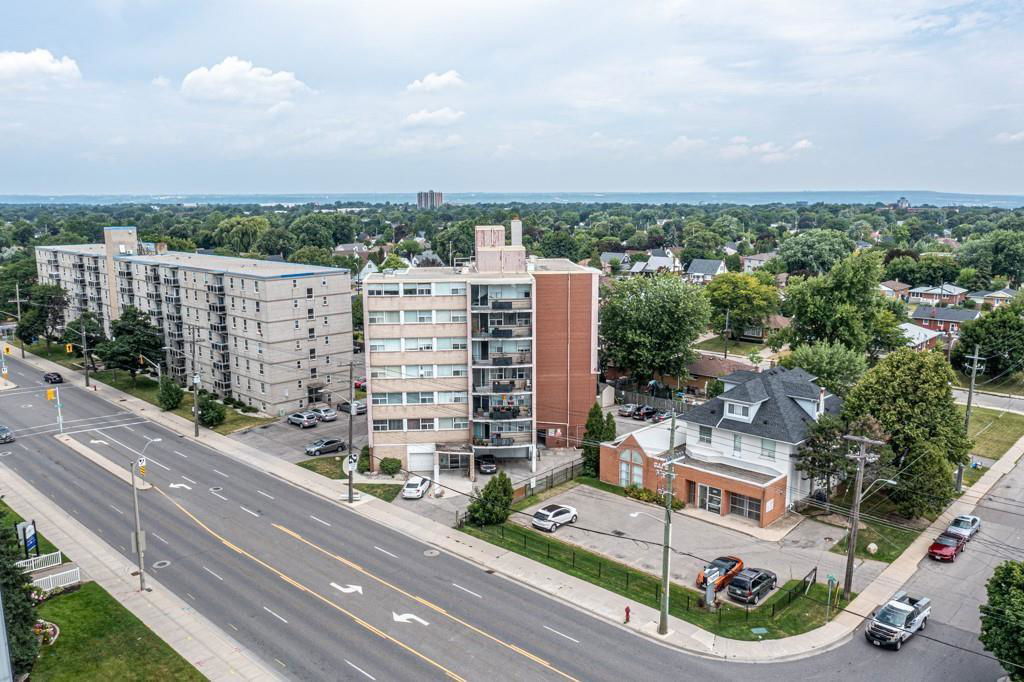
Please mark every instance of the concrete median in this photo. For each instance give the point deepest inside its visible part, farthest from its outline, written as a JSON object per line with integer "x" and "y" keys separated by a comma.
{"x": 102, "y": 462}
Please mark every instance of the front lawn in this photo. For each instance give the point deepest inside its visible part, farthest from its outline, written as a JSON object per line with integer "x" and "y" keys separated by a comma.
{"x": 891, "y": 542}
{"x": 56, "y": 353}
{"x": 1010, "y": 384}
{"x": 12, "y": 517}
{"x": 993, "y": 431}
{"x": 741, "y": 348}
{"x": 101, "y": 640}
{"x": 971, "y": 475}
{"x": 326, "y": 466}
{"x": 385, "y": 491}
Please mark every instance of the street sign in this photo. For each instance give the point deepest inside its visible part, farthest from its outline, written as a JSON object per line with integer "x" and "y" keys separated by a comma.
{"x": 31, "y": 541}
{"x": 142, "y": 466}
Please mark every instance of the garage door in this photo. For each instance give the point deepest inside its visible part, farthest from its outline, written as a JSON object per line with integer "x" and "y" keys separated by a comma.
{"x": 421, "y": 457}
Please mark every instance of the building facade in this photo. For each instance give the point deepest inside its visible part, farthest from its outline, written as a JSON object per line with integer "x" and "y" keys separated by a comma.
{"x": 429, "y": 199}
{"x": 277, "y": 336}
{"x": 482, "y": 358}
{"x": 947, "y": 320}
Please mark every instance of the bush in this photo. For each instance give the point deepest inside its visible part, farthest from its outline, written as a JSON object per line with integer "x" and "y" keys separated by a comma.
{"x": 493, "y": 504}
{"x": 390, "y": 466}
{"x": 231, "y": 402}
{"x": 169, "y": 395}
{"x": 364, "y": 460}
{"x": 211, "y": 413}
{"x": 248, "y": 409}
{"x": 645, "y": 495}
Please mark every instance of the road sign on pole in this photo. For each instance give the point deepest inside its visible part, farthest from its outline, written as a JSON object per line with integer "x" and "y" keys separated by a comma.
{"x": 31, "y": 541}
{"x": 142, "y": 466}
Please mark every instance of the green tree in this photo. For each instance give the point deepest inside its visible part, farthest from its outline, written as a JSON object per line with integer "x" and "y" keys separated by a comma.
{"x": 837, "y": 367}
{"x": 492, "y": 505}
{"x": 1002, "y": 617}
{"x": 558, "y": 244}
{"x": 1000, "y": 336}
{"x": 275, "y": 241}
{"x": 52, "y": 303}
{"x": 169, "y": 394}
{"x": 455, "y": 240}
{"x": 94, "y": 335}
{"x": 31, "y": 326}
{"x": 902, "y": 269}
{"x": 211, "y": 412}
{"x": 822, "y": 456}
{"x": 357, "y": 313}
{"x": 314, "y": 229}
{"x": 815, "y": 250}
{"x": 909, "y": 394}
{"x": 241, "y": 233}
{"x": 409, "y": 248}
{"x": 131, "y": 336}
{"x": 610, "y": 427}
{"x": 393, "y": 262}
{"x": 19, "y": 610}
{"x": 701, "y": 243}
{"x": 1000, "y": 253}
{"x": 20, "y": 271}
{"x": 313, "y": 255}
{"x": 746, "y": 300}
{"x": 648, "y": 324}
{"x": 592, "y": 437}
{"x": 714, "y": 388}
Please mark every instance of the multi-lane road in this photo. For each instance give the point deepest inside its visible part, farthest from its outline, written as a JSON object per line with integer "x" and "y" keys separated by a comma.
{"x": 320, "y": 592}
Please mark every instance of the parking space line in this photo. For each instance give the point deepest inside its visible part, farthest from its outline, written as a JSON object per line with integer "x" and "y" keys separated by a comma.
{"x": 221, "y": 473}
{"x": 264, "y": 494}
{"x": 219, "y": 495}
{"x": 385, "y": 551}
{"x": 160, "y": 538}
{"x": 117, "y": 510}
{"x": 190, "y": 480}
{"x": 250, "y": 511}
{"x": 465, "y": 590}
{"x": 180, "y": 454}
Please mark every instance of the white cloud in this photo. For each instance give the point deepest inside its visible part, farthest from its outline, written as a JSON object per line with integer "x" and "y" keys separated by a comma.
{"x": 237, "y": 80}
{"x": 36, "y": 67}
{"x": 801, "y": 145}
{"x": 444, "y": 116}
{"x": 766, "y": 148}
{"x": 610, "y": 144}
{"x": 433, "y": 82}
{"x": 281, "y": 108}
{"x": 683, "y": 145}
{"x": 739, "y": 139}
{"x": 1010, "y": 138}
{"x": 160, "y": 82}
{"x": 767, "y": 152}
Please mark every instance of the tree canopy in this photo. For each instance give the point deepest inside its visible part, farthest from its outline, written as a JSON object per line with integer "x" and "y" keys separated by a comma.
{"x": 1002, "y": 617}
{"x": 746, "y": 299}
{"x": 999, "y": 336}
{"x": 132, "y": 335}
{"x": 815, "y": 251}
{"x": 837, "y": 367}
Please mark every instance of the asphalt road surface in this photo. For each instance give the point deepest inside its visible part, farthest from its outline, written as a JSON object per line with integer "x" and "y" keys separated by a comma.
{"x": 322, "y": 593}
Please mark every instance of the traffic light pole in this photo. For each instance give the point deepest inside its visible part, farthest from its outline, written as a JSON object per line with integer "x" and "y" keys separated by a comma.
{"x": 60, "y": 419}
{"x": 17, "y": 299}
{"x": 351, "y": 410}
{"x": 139, "y": 538}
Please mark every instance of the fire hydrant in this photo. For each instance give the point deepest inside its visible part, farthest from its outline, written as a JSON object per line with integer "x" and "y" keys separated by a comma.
{"x": 627, "y": 614}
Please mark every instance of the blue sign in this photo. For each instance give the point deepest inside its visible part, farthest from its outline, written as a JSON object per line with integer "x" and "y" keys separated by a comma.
{"x": 30, "y": 537}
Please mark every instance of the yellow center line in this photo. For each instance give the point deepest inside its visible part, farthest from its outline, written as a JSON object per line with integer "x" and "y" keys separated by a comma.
{"x": 426, "y": 603}
{"x": 303, "y": 588}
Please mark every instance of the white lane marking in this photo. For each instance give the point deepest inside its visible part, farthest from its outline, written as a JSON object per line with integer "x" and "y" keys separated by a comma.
{"x": 233, "y": 627}
{"x": 83, "y": 430}
{"x": 562, "y": 634}
{"x": 246, "y": 510}
{"x": 213, "y": 574}
{"x": 159, "y": 538}
{"x": 319, "y": 520}
{"x": 219, "y": 495}
{"x": 385, "y": 551}
{"x": 129, "y": 428}
{"x": 465, "y": 590}
{"x": 275, "y": 616}
{"x": 117, "y": 510}
{"x": 280, "y": 662}
{"x": 179, "y": 454}
{"x": 264, "y": 494}
{"x": 359, "y": 669}
{"x": 190, "y": 596}
{"x": 190, "y": 480}
{"x": 221, "y": 473}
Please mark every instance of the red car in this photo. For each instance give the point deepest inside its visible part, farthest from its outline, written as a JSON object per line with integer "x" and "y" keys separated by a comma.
{"x": 728, "y": 567}
{"x": 360, "y": 383}
{"x": 947, "y": 546}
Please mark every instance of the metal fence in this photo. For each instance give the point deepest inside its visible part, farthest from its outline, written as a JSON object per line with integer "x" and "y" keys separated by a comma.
{"x": 547, "y": 479}
{"x": 63, "y": 579}
{"x": 679, "y": 406}
{"x": 37, "y": 563}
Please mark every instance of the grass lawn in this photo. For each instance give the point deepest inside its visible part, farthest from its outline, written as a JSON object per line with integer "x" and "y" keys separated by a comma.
{"x": 326, "y": 466}
{"x": 972, "y": 475}
{"x": 55, "y": 354}
{"x": 891, "y": 542}
{"x": 385, "y": 491}
{"x": 101, "y": 640}
{"x": 12, "y": 517}
{"x": 783, "y": 614}
{"x": 992, "y": 431}
{"x": 742, "y": 348}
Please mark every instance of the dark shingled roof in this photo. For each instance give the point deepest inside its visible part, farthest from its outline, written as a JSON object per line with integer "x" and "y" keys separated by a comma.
{"x": 779, "y": 417}
{"x": 703, "y": 266}
{"x": 944, "y": 314}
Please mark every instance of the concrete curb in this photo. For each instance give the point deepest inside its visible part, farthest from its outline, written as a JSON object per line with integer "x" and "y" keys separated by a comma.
{"x": 102, "y": 462}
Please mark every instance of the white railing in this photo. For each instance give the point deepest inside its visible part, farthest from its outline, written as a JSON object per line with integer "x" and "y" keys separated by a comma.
{"x": 63, "y": 579}
{"x": 37, "y": 563}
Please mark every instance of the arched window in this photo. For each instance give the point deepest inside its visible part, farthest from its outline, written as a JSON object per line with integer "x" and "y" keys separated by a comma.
{"x": 631, "y": 468}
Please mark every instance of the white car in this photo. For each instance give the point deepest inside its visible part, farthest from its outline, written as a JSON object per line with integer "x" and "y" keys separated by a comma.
{"x": 552, "y": 516}
{"x": 415, "y": 488}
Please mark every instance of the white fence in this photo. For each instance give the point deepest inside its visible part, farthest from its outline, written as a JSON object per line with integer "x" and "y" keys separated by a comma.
{"x": 38, "y": 563}
{"x": 63, "y": 579}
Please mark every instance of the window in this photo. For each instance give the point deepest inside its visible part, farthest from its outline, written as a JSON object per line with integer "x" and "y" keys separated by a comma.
{"x": 417, "y": 289}
{"x": 449, "y": 423}
{"x": 450, "y": 288}
{"x": 419, "y": 371}
{"x": 310, "y": 333}
{"x": 325, "y": 321}
{"x": 295, "y": 283}
{"x": 387, "y": 399}
{"x": 451, "y": 370}
{"x": 296, "y": 324}
{"x": 312, "y": 353}
{"x": 312, "y": 372}
{"x": 452, "y": 397}
{"x": 295, "y": 303}
{"x": 327, "y": 359}
{"x": 767, "y": 449}
{"x": 451, "y": 343}
{"x": 450, "y": 315}
{"x": 386, "y": 372}
{"x": 422, "y": 398}
{"x": 631, "y": 468}
{"x": 420, "y": 424}
{"x": 309, "y": 292}
{"x": 234, "y": 323}
{"x": 737, "y": 444}
{"x": 298, "y": 364}
{"x": 261, "y": 369}
{"x": 382, "y": 290}
{"x": 741, "y": 505}
{"x": 387, "y": 425}
{"x": 309, "y": 313}
{"x": 419, "y": 344}
{"x": 327, "y": 340}
{"x": 705, "y": 435}
{"x": 323, "y": 282}
{"x": 298, "y": 345}
{"x": 324, "y": 302}
{"x": 739, "y": 410}
{"x": 385, "y": 345}
{"x": 419, "y": 316}
{"x": 263, "y": 387}
{"x": 256, "y": 286}
{"x": 382, "y": 317}
{"x": 257, "y": 305}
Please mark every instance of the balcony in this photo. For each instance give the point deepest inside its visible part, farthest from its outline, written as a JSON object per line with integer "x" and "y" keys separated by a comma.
{"x": 124, "y": 273}
{"x": 153, "y": 295}
{"x": 170, "y": 281}
{"x": 174, "y": 315}
{"x": 175, "y": 333}
{"x": 504, "y": 332}
{"x": 222, "y": 385}
{"x": 482, "y": 305}
{"x": 152, "y": 278}
{"x": 505, "y": 440}
{"x": 219, "y": 346}
{"x": 215, "y": 288}
{"x": 78, "y": 278}
{"x": 217, "y": 308}
{"x": 178, "y": 370}
{"x": 78, "y": 265}
{"x": 504, "y": 359}
{"x": 221, "y": 366}
{"x": 173, "y": 299}
{"x": 178, "y": 360}
{"x": 503, "y": 413}
{"x": 219, "y": 327}
{"x": 93, "y": 267}
{"x": 504, "y": 386}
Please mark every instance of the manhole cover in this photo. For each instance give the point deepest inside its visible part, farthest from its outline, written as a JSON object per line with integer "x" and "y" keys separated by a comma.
{"x": 216, "y": 489}
{"x": 431, "y": 552}
{"x": 161, "y": 564}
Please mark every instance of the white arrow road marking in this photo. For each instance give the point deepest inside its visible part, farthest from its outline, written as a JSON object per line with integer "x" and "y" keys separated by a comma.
{"x": 385, "y": 551}
{"x": 319, "y": 520}
{"x": 562, "y": 634}
{"x": 180, "y": 485}
{"x": 274, "y": 615}
{"x": 359, "y": 669}
{"x": 348, "y": 589}
{"x": 213, "y": 574}
{"x": 465, "y": 590}
{"x": 408, "y": 618}
{"x": 98, "y": 442}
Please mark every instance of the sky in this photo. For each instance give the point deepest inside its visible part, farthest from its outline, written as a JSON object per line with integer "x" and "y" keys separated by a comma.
{"x": 254, "y": 96}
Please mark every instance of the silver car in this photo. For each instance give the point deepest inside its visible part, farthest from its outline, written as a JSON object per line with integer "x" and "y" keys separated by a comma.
{"x": 325, "y": 414}
{"x": 303, "y": 419}
{"x": 6, "y": 435}
{"x": 965, "y": 525}
{"x": 356, "y": 407}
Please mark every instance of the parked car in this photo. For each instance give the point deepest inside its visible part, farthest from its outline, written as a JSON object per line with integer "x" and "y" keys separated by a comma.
{"x": 415, "y": 488}
{"x": 6, "y": 435}
{"x": 53, "y": 378}
{"x": 355, "y": 407}
{"x": 752, "y": 584}
{"x": 552, "y": 516}
{"x": 360, "y": 383}
{"x": 324, "y": 414}
{"x": 947, "y": 546}
{"x": 897, "y": 621}
{"x": 303, "y": 419}
{"x": 627, "y": 409}
{"x": 644, "y": 412}
{"x": 662, "y": 416}
{"x": 486, "y": 464}
{"x": 322, "y": 445}
{"x": 966, "y": 525}
{"x": 728, "y": 567}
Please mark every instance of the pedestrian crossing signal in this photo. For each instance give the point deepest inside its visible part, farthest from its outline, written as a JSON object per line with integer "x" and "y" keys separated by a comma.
{"x": 51, "y": 394}
{"x": 69, "y": 348}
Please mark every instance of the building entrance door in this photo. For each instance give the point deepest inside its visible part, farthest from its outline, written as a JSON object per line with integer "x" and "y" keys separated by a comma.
{"x": 709, "y": 498}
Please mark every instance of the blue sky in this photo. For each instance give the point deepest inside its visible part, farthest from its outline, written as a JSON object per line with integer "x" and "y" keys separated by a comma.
{"x": 143, "y": 96}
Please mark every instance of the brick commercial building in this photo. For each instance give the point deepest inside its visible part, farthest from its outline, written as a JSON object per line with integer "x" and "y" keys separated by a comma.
{"x": 277, "y": 336}
{"x": 488, "y": 357}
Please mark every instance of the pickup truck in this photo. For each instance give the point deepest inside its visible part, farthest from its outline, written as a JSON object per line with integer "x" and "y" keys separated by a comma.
{"x": 898, "y": 621}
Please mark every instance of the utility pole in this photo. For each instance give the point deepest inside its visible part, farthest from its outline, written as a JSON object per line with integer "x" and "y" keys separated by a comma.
{"x": 725, "y": 334}
{"x": 351, "y": 411}
{"x": 967, "y": 413}
{"x": 17, "y": 300}
{"x": 670, "y": 475}
{"x": 195, "y": 383}
{"x": 851, "y": 542}
{"x": 139, "y": 541}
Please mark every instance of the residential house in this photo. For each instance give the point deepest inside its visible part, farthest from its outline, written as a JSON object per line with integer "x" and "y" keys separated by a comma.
{"x": 993, "y": 298}
{"x": 761, "y": 332}
{"x": 705, "y": 369}
{"x": 739, "y": 448}
{"x": 427, "y": 259}
{"x": 757, "y": 261}
{"x": 920, "y": 338}
{"x": 608, "y": 256}
{"x": 862, "y": 245}
{"x": 656, "y": 264}
{"x": 354, "y": 249}
{"x": 947, "y": 320}
{"x": 731, "y": 248}
{"x": 703, "y": 270}
{"x": 950, "y": 294}
{"x": 894, "y": 288}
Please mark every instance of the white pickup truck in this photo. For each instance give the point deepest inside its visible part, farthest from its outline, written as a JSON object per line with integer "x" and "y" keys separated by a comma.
{"x": 898, "y": 621}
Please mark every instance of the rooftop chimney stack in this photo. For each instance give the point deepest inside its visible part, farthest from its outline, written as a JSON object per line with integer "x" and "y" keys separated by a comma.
{"x": 517, "y": 232}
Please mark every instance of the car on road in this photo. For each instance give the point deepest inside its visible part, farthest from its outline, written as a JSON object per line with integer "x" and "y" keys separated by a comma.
{"x": 947, "y": 546}
{"x": 303, "y": 420}
{"x": 359, "y": 384}
{"x": 966, "y": 525}
{"x": 53, "y": 378}
{"x": 728, "y": 567}
{"x": 627, "y": 409}
{"x": 551, "y": 516}
{"x": 898, "y": 620}
{"x": 6, "y": 435}
{"x": 324, "y": 414}
{"x": 752, "y": 584}
{"x": 486, "y": 464}
{"x": 323, "y": 445}
{"x": 355, "y": 407}
{"x": 644, "y": 412}
{"x": 415, "y": 488}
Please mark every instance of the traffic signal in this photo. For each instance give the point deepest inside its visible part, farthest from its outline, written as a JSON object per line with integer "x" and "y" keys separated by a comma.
{"x": 7, "y": 349}
{"x": 51, "y": 394}
{"x": 69, "y": 348}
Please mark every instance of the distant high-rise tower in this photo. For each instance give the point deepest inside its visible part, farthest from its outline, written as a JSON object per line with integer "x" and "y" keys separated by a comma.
{"x": 429, "y": 199}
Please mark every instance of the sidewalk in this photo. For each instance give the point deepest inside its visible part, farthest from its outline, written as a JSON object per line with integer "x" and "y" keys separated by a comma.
{"x": 573, "y": 591}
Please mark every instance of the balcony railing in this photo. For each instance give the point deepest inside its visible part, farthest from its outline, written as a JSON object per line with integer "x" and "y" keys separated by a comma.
{"x": 509, "y": 332}
{"x": 504, "y": 440}
{"x": 504, "y": 359}
{"x": 175, "y": 333}
{"x": 221, "y": 385}
{"x": 504, "y": 386}
{"x": 518, "y": 412}
{"x": 217, "y": 308}
{"x": 215, "y": 288}
{"x": 219, "y": 346}
{"x": 218, "y": 327}
{"x": 174, "y": 299}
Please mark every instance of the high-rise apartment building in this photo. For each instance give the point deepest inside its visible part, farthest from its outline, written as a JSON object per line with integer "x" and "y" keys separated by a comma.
{"x": 429, "y": 199}
{"x": 488, "y": 357}
{"x": 277, "y": 336}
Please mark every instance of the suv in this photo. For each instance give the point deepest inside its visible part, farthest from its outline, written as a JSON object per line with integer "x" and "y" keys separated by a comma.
{"x": 728, "y": 567}
{"x": 486, "y": 464}
{"x": 552, "y": 516}
{"x": 322, "y": 445}
{"x": 303, "y": 419}
{"x": 751, "y": 584}
{"x": 6, "y": 435}
{"x": 644, "y": 412}
{"x": 324, "y": 414}
{"x": 53, "y": 378}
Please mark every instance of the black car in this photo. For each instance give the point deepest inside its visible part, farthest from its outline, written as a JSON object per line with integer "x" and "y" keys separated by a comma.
{"x": 6, "y": 435}
{"x": 752, "y": 584}
{"x": 53, "y": 378}
{"x": 644, "y": 412}
{"x": 322, "y": 445}
{"x": 486, "y": 464}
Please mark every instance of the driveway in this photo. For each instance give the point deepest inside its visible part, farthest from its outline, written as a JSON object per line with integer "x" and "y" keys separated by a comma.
{"x": 803, "y": 548}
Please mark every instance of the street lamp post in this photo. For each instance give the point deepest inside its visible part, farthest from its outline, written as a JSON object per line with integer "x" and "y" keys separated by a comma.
{"x": 140, "y": 538}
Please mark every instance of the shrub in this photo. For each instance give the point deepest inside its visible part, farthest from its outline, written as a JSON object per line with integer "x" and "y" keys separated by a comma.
{"x": 169, "y": 395}
{"x": 248, "y": 409}
{"x": 364, "y": 460}
{"x": 493, "y": 504}
{"x": 645, "y": 495}
{"x": 211, "y": 413}
{"x": 390, "y": 466}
